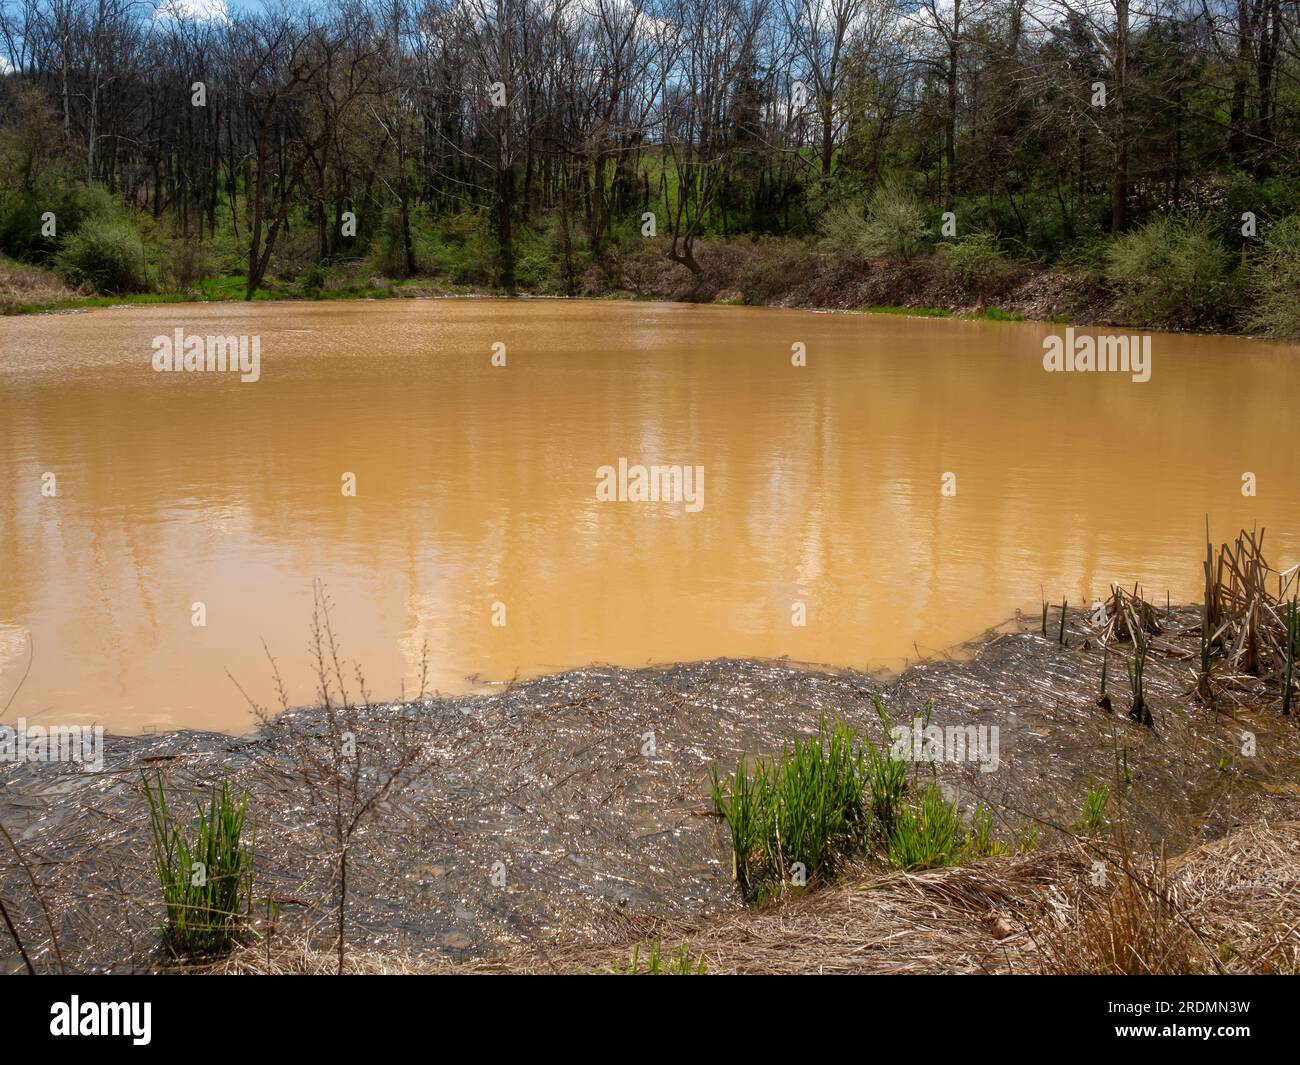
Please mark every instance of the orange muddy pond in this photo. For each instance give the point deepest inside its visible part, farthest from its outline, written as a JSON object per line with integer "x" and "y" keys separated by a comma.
{"x": 129, "y": 496}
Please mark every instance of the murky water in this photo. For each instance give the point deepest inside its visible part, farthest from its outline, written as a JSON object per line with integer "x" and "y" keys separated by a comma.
{"x": 476, "y": 496}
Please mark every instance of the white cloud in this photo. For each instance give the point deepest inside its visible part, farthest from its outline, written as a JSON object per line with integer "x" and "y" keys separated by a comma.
{"x": 192, "y": 10}
{"x": 6, "y": 67}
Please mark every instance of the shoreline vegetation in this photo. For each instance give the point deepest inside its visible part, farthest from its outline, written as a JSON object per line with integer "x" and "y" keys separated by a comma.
{"x": 785, "y": 273}
{"x": 1096, "y": 166}
{"x": 709, "y": 817}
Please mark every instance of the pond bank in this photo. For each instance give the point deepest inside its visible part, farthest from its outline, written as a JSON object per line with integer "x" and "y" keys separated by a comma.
{"x": 771, "y": 272}
{"x": 546, "y": 817}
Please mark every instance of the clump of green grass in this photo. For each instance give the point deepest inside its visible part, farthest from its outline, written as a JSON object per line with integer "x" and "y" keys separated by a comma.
{"x": 980, "y": 841}
{"x": 658, "y": 962}
{"x": 995, "y": 314}
{"x": 1027, "y": 838}
{"x": 926, "y": 834}
{"x": 836, "y": 796}
{"x": 206, "y": 871}
{"x": 793, "y": 818}
{"x": 912, "y": 312}
{"x": 1092, "y": 818}
{"x": 886, "y": 785}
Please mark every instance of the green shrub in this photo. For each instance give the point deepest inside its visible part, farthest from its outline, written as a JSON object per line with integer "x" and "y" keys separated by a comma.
{"x": 1088, "y": 253}
{"x": 388, "y": 249}
{"x": 1275, "y": 280}
{"x": 74, "y": 207}
{"x": 1171, "y": 272}
{"x": 92, "y": 203}
{"x": 186, "y": 263}
{"x": 296, "y": 251}
{"x": 538, "y": 257}
{"x": 461, "y": 247}
{"x": 841, "y": 227}
{"x": 893, "y": 225}
{"x": 107, "y": 255}
{"x": 976, "y": 259}
{"x": 20, "y": 229}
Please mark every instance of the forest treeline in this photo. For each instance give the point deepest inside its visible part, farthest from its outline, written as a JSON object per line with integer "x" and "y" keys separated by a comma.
{"x": 513, "y": 143}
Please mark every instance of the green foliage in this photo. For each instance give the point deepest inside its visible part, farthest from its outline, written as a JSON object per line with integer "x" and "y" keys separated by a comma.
{"x": 1268, "y": 199}
{"x": 1275, "y": 280}
{"x": 388, "y": 249}
{"x": 659, "y": 963}
{"x": 296, "y": 252}
{"x": 893, "y": 225}
{"x": 1092, "y": 818}
{"x": 1027, "y": 838}
{"x": 458, "y": 246}
{"x": 20, "y": 229}
{"x": 911, "y": 312}
{"x": 886, "y": 775}
{"x": 925, "y": 834}
{"x": 995, "y": 314}
{"x": 185, "y": 264}
{"x": 834, "y": 796}
{"x": 841, "y": 227}
{"x": 107, "y": 255}
{"x": 806, "y": 809}
{"x": 1172, "y": 273}
{"x": 976, "y": 259}
{"x": 206, "y": 872}
{"x": 537, "y": 258}
{"x": 980, "y": 842}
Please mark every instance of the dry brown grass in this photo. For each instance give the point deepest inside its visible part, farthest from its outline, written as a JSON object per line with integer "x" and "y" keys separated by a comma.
{"x": 22, "y": 284}
{"x": 1230, "y": 906}
{"x": 1134, "y": 929}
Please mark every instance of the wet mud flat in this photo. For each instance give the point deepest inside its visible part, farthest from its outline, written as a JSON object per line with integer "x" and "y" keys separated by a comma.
{"x": 562, "y": 810}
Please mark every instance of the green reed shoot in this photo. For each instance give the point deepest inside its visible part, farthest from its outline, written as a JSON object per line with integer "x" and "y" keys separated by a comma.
{"x": 206, "y": 871}
{"x": 1092, "y": 818}
{"x": 1136, "y": 669}
{"x": 661, "y": 963}
{"x": 980, "y": 842}
{"x": 926, "y": 834}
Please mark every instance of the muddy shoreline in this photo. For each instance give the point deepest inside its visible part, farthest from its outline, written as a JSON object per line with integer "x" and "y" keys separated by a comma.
{"x": 552, "y": 813}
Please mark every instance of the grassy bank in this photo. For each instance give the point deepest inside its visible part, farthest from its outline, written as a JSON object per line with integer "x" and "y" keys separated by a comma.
{"x": 1169, "y": 274}
{"x": 740, "y": 273}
